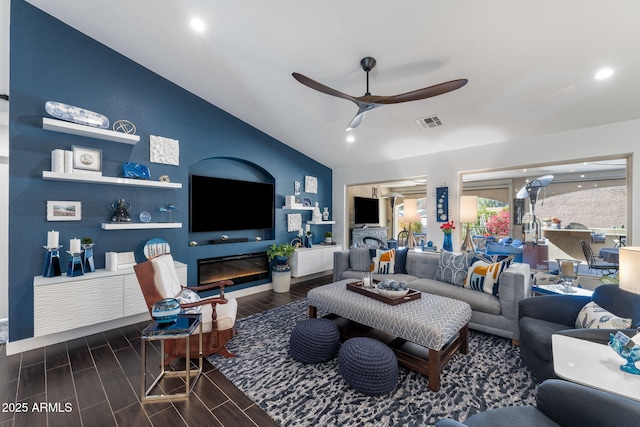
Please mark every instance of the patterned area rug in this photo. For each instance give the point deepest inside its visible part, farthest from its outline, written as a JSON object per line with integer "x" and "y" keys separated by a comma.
{"x": 294, "y": 394}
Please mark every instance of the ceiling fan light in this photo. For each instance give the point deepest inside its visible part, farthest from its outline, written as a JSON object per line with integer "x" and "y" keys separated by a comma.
{"x": 603, "y": 74}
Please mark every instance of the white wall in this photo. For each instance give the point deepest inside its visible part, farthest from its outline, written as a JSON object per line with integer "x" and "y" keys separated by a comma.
{"x": 443, "y": 169}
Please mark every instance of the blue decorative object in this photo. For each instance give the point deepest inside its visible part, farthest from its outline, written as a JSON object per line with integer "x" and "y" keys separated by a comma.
{"x": 626, "y": 349}
{"x": 442, "y": 204}
{"x": 121, "y": 213}
{"x": 447, "y": 244}
{"x": 87, "y": 258}
{"x": 75, "y": 267}
{"x": 166, "y": 310}
{"x": 135, "y": 170}
{"x": 76, "y": 114}
{"x": 307, "y": 241}
{"x": 52, "y": 262}
{"x": 368, "y": 366}
{"x": 314, "y": 341}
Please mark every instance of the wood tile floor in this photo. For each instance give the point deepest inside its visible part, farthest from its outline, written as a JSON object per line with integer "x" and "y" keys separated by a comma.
{"x": 95, "y": 381}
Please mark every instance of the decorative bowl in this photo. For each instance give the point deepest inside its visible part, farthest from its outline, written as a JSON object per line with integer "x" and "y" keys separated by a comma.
{"x": 166, "y": 310}
{"x": 392, "y": 294}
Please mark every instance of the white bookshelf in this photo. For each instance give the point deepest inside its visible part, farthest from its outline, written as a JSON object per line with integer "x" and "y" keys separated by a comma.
{"x": 88, "y": 131}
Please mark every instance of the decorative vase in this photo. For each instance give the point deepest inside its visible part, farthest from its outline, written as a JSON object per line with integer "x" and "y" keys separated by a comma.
{"x": 447, "y": 244}
{"x": 307, "y": 241}
{"x": 121, "y": 213}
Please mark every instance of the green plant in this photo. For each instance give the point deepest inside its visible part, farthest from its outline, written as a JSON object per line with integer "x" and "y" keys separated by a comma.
{"x": 309, "y": 233}
{"x": 86, "y": 241}
{"x": 328, "y": 235}
{"x": 283, "y": 250}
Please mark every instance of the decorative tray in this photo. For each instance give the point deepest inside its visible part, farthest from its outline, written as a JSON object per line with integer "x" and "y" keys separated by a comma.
{"x": 359, "y": 288}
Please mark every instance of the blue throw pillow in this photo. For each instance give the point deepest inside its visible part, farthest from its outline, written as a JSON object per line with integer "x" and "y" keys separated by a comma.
{"x": 401, "y": 261}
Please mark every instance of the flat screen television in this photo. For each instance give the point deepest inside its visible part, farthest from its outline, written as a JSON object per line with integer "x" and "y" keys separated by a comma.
{"x": 366, "y": 211}
{"x": 220, "y": 204}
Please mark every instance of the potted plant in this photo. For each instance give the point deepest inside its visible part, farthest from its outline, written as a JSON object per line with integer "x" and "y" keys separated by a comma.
{"x": 327, "y": 237}
{"x": 87, "y": 255}
{"x": 307, "y": 240}
{"x": 280, "y": 253}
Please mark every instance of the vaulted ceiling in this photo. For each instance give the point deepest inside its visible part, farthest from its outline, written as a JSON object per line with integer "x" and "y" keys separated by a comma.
{"x": 530, "y": 65}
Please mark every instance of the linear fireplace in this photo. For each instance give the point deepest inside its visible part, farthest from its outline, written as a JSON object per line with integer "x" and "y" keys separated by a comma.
{"x": 239, "y": 268}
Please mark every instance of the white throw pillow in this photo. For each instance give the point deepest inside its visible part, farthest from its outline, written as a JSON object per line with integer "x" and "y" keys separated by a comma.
{"x": 188, "y": 296}
{"x": 592, "y": 316}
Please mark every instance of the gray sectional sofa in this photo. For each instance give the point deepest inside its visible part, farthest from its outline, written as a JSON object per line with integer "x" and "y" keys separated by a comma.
{"x": 497, "y": 315}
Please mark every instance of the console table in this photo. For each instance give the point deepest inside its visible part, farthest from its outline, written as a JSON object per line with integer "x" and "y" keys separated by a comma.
{"x": 306, "y": 261}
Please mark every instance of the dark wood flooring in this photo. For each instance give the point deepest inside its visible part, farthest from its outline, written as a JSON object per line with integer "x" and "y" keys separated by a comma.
{"x": 95, "y": 381}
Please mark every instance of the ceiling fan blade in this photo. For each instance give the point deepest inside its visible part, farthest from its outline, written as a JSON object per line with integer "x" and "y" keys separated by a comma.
{"x": 322, "y": 88}
{"x": 356, "y": 120}
{"x": 423, "y": 93}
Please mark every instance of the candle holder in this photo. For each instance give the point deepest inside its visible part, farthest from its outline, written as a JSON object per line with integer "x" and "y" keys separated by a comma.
{"x": 87, "y": 258}
{"x": 52, "y": 262}
{"x": 75, "y": 267}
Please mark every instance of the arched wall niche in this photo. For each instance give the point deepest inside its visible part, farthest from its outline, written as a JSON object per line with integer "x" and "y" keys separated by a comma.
{"x": 231, "y": 168}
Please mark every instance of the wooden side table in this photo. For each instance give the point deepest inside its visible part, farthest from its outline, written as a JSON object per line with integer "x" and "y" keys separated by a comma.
{"x": 182, "y": 328}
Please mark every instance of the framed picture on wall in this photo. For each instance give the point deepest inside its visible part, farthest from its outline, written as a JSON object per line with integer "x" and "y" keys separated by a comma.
{"x": 58, "y": 210}
{"x": 88, "y": 159}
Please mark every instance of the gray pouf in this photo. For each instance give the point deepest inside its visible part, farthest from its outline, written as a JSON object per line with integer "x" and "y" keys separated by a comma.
{"x": 314, "y": 341}
{"x": 368, "y": 366}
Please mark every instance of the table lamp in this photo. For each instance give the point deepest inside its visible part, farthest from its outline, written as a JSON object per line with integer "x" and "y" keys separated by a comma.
{"x": 629, "y": 269}
{"x": 411, "y": 216}
{"x": 468, "y": 215}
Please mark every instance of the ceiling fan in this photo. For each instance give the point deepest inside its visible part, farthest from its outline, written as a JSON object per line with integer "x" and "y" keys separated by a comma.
{"x": 368, "y": 102}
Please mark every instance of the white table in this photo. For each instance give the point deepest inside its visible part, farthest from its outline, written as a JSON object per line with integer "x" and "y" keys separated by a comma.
{"x": 593, "y": 365}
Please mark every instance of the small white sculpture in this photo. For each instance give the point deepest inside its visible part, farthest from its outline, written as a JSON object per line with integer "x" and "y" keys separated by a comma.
{"x": 317, "y": 216}
{"x": 325, "y": 214}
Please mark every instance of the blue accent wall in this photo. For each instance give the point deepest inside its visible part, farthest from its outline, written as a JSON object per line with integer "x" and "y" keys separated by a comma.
{"x": 51, "y": 61}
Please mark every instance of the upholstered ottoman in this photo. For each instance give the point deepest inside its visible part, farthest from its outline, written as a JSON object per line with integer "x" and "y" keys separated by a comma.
{"x": 368, "y": 366}
{"x": 314, "y": 341}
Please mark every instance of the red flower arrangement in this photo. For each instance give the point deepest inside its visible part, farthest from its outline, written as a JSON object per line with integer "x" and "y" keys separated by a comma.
{"x": 448, "y": 227}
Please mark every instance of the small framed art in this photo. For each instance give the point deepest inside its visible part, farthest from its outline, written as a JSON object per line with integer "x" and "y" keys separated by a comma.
{"x": 88, "y": 159}
{"x": 58, "y": 210}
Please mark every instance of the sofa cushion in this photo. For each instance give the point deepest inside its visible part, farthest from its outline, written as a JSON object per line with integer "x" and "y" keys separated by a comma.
{"x": 453, "y": 268}
{"x": 485, "y": 277}
{"x": 422, "y": 264}
{"x": 360, "y": 259}
{"x": 384, "y": 261}
{"x": 401, "y": 260}
{"x": 595, "y": 317}
{"x": 478, "y": 301}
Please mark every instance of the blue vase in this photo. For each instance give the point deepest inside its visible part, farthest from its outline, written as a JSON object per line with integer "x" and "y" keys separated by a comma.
{"x": 447, "y": 244}
{"x": 307, "y": 241}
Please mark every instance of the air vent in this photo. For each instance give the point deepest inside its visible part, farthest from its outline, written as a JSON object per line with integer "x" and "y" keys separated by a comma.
{"x": 429, "y": 122}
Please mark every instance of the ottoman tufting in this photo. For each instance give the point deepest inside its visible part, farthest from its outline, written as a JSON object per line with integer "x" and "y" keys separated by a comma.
{"x": 314, "y": 341}
{"x": 368, "y": 366}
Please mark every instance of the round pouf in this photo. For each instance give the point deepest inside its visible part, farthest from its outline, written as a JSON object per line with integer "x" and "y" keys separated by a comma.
{"x": 314, "y": 341}
{"x": 368, "y": 366}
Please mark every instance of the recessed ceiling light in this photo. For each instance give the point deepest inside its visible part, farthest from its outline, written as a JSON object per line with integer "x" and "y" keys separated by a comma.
{"x": 582, "y": 176}
{"x": 197, "y": 24}
{"x": 605, "y": 73}
{"x": 524, "y": 170}
{"x": 351, "y": 138}
{"x": 579, "y": 186}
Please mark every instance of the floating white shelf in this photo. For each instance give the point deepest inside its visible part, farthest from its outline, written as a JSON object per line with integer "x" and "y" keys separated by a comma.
{"x": 91, "y": 132}
{"x": 56, "y": 176}
{"x": 320, "y": 222}
{"x": 139, "y": 225}
{"x": 296, "y": 208}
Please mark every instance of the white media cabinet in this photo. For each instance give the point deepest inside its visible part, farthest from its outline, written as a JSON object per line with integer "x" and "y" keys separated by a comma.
{"x": 306, "y": 261}
{"x": 66, "y": 303}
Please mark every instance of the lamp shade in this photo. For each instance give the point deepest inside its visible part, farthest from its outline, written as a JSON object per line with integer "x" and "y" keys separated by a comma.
{"x": 468, "y": 209}
{"x": 629, "y": 269}
{"x": 411, "y": 210}
{"x": 392, "y": 194}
